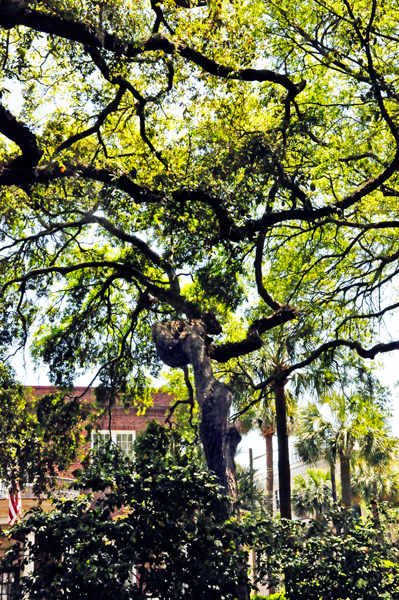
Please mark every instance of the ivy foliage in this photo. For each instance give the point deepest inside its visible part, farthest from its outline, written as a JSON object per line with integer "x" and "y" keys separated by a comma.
{"x": 156, "y": 526}
{"x": 152, "y": 526}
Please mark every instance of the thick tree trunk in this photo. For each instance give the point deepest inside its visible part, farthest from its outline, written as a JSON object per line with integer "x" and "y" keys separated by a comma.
{"x": 284, "y": 471}
{"x": 345, "y": 480}
{"x": 179, "y": 343}
{"x": 333, "y": 483}
{"x": 269, "y": 471}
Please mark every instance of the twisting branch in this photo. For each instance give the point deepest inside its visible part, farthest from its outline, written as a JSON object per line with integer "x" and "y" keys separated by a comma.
{"x": 253, "y": 341}
{"x": 160, "y": 18}
{"x": 227, "y": 228}
{"x": 21, "y": 135}
{"x": 140, "y": 245}
{"x": 13, "y": 12}
{"x": 371, "y": 353}
{"x": 112, "y": 107}
{"x": 266, "y": 297}
{"x": 374, "y": 315}
{"x": 36, "y": 273}
{"x": 310, "y": 214}
{"x": 141, "y": 101}
{"x": 20, "y": 177}
{"x": 129, "y": 273}
{"x": 356, "y": 157}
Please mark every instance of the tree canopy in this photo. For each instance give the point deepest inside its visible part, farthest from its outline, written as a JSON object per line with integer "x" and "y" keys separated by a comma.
{"x": 179, "y": 178}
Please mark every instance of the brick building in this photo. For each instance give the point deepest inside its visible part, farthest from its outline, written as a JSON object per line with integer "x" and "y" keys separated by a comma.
{"x": 125, "y": 424}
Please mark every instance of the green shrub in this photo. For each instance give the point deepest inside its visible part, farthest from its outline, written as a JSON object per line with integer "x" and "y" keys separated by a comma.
{"x": 171, "y": 530}
{"x": 344, "y": 557}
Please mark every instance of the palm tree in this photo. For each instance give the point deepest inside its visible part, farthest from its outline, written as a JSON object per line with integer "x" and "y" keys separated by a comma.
{"x": 267, "y": 373}
{"x": 271, "y": 419}
{"x": 250, "y": 496}
{"x": 276, "y": 418}
{"x": 267, "y": 425}
{"x": 312, "y": 494}
{"x": 316, "y": 441}
{"x": 374, "y": 484}
{"x": 347, "y": 427}
{"x": 263, "y": 418}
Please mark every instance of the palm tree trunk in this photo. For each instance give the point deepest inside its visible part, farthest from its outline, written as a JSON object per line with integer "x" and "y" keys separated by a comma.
{"x": 269, "y": 472}
{"x": 333, "y": 482}
{"x": 345, "y": 480}
{"x": 284, "y": 471}
{"x": 376, "y": 514}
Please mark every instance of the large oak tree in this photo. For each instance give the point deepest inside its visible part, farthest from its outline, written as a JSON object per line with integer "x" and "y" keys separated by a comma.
{"x": 179, "y": 178}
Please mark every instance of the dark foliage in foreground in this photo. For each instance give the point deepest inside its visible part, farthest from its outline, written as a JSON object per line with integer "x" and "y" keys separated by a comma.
{"x": 158, "y": 525}
{"x": 343, "y": 557}
{"x": 168, "y": 535}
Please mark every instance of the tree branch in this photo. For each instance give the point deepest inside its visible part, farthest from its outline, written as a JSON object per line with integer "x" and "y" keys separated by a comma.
{"x": 153, "y": 256}
{"x": 112, "y": 106}
{"x": 13, "y": 12}
{"x": 371, "y": 353}
{"x": 224, "y": 352}
{"x": 52, "y": 172}
{"x": 310, "y": 215}
{"x": 21, "y": 135}
{"x": 129, "y": 273}
{"x": 258, "y": 275}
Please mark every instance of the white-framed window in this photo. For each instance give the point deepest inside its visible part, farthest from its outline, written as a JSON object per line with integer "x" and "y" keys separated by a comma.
{"x": 123, "y": 439}
{"x": 8, "y": 579}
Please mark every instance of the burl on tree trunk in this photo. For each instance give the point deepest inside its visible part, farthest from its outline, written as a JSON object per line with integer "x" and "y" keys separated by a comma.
{"x": 179, "y": 343}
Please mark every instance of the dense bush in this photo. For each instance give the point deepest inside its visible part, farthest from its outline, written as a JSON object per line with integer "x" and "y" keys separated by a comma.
{"x": 158, "y": 525}
{"x": 342, "y": 558}
{"x": 169, "y": 536}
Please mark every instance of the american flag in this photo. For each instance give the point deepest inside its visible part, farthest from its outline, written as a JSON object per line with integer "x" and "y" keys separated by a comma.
{"x": 14, "y": 507}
